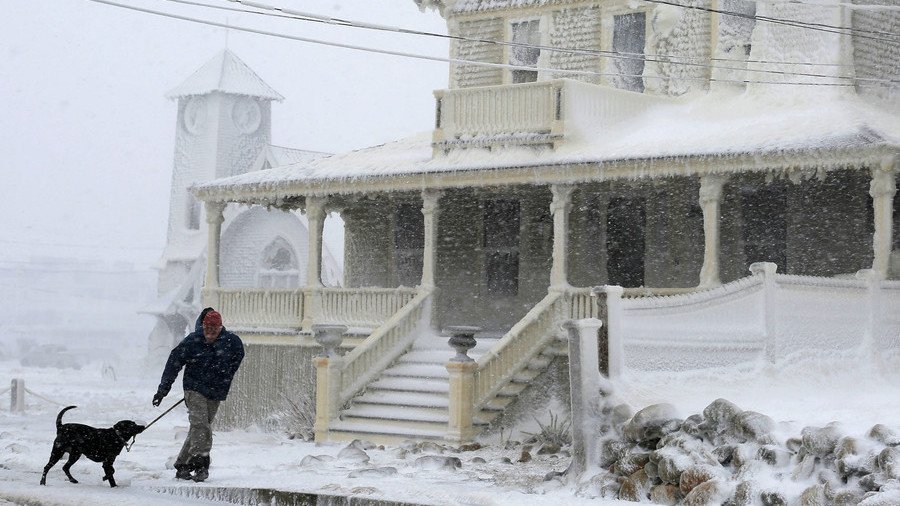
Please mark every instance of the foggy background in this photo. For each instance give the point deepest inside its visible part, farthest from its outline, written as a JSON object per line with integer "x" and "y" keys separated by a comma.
{"x": 88, "y": 136}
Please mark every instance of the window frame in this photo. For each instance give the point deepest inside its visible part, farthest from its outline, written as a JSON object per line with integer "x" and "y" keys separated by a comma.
{"x": 542, "y": 20}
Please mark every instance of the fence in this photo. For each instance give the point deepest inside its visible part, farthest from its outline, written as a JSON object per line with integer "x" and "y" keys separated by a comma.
{"x": 764, "y": 315}
{"x": 17, "y": 392}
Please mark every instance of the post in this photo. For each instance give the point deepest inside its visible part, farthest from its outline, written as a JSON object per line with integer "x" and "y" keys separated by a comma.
{"x": 315, "y": 221}
{"x": 584, "y": 389}
{"x": 460, "y": 427}
{"x": 430, "y": 211}
{"x": 328, "y": 393}
{"x": 214, "y": 220}
{"x": 17, "y": 396}
{"x": 882, "y": 190}
{"x": 559, "y": 208}
{"x": 614, "y": 345}
{"x": 767, "y": 270}
{"x": 710, "y": 202}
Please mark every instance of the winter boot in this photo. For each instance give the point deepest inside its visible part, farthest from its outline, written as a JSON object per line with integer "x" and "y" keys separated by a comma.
{"x": 201, "y": 468}
{"x": 183, "y": 472}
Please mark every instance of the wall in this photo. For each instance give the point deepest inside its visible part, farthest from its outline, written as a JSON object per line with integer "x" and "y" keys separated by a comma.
{"x": 878, "y": 59}
{"x": 246, "y": 238}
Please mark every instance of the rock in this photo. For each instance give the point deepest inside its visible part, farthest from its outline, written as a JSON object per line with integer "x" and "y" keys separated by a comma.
{"x": 693, "y": 476}
{"x": 364, "y": 490}
{"x": 549, "y": 449}
{"x": 670, "y": 467}
{"x": 890, "y": 498}
{"x": 611, "y": 450}
{"x": 631, "y": 463}
{"x": 398, "y": 453}
{"x": 504, "y": 460}
{"x": 712, "y": 492}
{"x": 751, "y": 426}
{"x": 430, "y": 447}
{"x": 652, "y": 423}
{"x": 774, "y": 455}
{"x": 847, "y": 497}
{"x": 600, "y": 485}
{"x": 724, "y": 453}
{"x": 635, "y": 487}
{"x": 470, "y": 447}
{"x": 744, "y": 453}
{"x": 847, "y": 445}
{"x": 691, "y": 425}
{"x": 717, "y": 419}
{"x": 478, "y": 460}
{"x": 650, "y": 469}
{"x": 813, "y": 496}
{"x": 804, "y": 469}
{"x": 314, "y": 460}
{"x": 743, "y": 493}
{"x": 438, "y": 462}
{"x": 793, "y": 444}
{"x": 889, "y": 462}
{"x": 373, "y": 472}
{"x": 872, "y": 481}
{"x": 884, "y": 435}
{"x": 665, "y": 494}
{"x": 620, "y": 414}
{"x": 362, "y": 444}
{"x": 820, "y": 441}
{"x": 353, "y": 454}
{"x": 770, "y": 498}
{"x": 526, "y": 454}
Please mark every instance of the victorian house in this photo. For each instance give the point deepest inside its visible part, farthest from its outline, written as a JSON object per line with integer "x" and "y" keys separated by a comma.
{"x": 663, "y": 148}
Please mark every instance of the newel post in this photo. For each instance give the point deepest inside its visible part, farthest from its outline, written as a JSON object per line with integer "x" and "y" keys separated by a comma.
{"x": 460, "y": 427}
{"x": 882, "y": 190}
{"x": 584, "y": 389}
{"x": 329, "y": 375}
{"x": 710, "y": 203}
{"x": 214, "y": 218}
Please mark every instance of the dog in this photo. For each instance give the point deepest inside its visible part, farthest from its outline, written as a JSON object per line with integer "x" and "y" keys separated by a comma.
{"x": 99, "y": 445}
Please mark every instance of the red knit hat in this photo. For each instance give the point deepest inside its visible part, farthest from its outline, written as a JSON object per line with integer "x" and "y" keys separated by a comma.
{"x": 212, "y": 319}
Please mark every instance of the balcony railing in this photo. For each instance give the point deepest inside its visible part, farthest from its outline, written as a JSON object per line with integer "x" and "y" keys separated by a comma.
{"x": 544, "y": 112}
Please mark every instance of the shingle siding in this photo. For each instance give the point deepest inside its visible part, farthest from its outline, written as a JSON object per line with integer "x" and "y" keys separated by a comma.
{"x": 464, "y": 76}
{"x": 877, "y": 59}
{"x": 575, "y": 28}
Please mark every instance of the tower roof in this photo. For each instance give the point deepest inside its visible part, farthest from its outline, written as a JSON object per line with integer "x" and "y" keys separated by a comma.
{"x": 225, "y": 72}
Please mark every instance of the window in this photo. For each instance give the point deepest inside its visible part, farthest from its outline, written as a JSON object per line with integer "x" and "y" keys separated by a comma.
{"x": 501, "y": 246}
{"x": 629, "y": 34}
{"x": 279, "y": 266}
{"x": 192, "y": 217}
{"x": 525, "y": 32}
{"x": 764, "y": 231}
{"x": 409, "y": 241}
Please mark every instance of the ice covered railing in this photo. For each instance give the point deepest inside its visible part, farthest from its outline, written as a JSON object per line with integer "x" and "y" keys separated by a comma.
{"x": 764, "y": 316}
{"x": 539, "y": 113}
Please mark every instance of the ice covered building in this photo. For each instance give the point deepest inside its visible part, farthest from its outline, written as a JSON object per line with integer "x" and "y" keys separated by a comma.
{"x": 731, "y": 165}
{"x": 224, "y": 128}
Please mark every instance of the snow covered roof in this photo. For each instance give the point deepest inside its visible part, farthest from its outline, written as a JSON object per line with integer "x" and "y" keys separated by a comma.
{"x": 279, "y": 155}
{"x": 225, "y": 72}
{"x": 716, "y": 127}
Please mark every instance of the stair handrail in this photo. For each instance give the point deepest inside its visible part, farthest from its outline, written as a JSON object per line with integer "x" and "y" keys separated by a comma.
{"x": 383, "y": 346}
{"x": 524, "y": 340}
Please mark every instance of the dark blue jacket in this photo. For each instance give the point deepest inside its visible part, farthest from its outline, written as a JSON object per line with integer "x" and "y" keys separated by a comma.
{"x": 208, "y": 368}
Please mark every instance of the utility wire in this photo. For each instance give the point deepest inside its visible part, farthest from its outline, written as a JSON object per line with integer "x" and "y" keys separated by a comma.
{"x": 841, "y": 30}
{"x": 665, "y": 59}
{"x": 445, "y": 60}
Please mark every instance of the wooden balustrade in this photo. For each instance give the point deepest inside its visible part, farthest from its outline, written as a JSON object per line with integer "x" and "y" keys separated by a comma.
{"x": 383, "y": 346}
{"x": 361, "y": 307}
{"x": 259, "y": 307}
{"x": 497, "y": 367}
{"x": 495, "y": 110}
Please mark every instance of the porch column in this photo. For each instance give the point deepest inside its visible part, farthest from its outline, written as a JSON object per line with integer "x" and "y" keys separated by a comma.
{"x": 710, "y": 201}
{"x": 431, "y": 211}
{"x": 315, "y": 217}
{"x": 559, "y": 208}
{"x": 882, "y": 190}
{"x": 214, "y": 219}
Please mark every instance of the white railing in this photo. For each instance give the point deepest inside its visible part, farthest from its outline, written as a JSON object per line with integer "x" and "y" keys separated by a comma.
{"x": 383, "y": 346}
{"x": 766, "y": 315}
{"x": 526, "y": 339}
{"x": 360, "y": 307}
{"x": 498, "y": 110}
{"x": 582, "y": 304}
{"x": 260, "y": 307}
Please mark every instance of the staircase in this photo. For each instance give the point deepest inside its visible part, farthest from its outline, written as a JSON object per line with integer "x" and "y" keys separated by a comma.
{"x": 410, "y": 399}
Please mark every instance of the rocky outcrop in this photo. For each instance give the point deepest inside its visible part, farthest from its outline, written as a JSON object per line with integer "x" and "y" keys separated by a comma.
{"x": 727, "y": 455}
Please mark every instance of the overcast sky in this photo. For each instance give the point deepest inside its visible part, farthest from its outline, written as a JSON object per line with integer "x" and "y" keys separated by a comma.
{"x": 87, "y": 135}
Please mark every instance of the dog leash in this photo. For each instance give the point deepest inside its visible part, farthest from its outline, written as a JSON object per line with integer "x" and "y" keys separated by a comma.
{"x": 166, "y": 412}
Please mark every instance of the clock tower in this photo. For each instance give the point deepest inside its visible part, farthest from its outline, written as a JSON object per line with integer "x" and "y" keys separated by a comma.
{"x": 224, "y": 123}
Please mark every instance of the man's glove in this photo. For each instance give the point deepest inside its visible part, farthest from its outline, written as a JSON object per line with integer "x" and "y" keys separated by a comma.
{"x": 157, "y": 399}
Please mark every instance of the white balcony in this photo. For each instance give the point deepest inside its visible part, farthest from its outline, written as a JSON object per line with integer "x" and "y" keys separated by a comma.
{"x": 539, "y": 113}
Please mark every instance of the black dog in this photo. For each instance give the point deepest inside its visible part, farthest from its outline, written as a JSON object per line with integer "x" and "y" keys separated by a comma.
{"x": 99, "y": 445}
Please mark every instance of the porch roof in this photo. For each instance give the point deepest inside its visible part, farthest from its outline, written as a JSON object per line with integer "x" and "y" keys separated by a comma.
{"x": 715, "y": 133}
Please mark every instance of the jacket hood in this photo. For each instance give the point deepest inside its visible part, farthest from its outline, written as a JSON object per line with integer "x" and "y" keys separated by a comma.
{"x": 198, "y": 326}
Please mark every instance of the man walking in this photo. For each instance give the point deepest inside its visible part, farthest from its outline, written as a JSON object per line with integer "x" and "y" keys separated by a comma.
{"x": 210, "y": 356}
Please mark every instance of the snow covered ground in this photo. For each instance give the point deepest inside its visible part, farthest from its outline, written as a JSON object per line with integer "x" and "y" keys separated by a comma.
{"x": 811, "y": 392}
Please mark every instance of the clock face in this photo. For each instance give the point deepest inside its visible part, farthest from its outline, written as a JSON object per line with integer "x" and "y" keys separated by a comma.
{"x": 246, "y": 115}
{"x": 195, "y": 115}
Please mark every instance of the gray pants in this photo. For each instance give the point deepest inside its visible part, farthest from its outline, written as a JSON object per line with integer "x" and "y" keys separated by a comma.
{"x": 201, "y": 412}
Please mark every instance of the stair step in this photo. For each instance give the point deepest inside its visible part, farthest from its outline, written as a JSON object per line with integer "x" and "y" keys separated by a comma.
{"x": 396, "y": 413}
{"x": 498, "y": 404}
{"x": 405, "y": 398}
{"x": 526, "y": 375}
{"x": 539, "y": 362}
{"x": 417, "y": 371}
{"x": 405, "y": 384}
{"x": 511, "y": 389}
{"x": 376, "y": 426}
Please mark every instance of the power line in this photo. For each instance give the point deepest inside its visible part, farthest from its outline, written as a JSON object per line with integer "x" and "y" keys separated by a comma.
{"x": 655, "y": 58}
{"x": 447, "y": 60}
{"x": 841, "y": 30}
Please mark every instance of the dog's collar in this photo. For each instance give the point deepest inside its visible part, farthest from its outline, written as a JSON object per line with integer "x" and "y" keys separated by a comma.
{"x": 125, "y": 441}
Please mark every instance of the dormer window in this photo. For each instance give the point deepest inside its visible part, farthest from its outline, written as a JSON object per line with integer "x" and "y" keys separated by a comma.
{"x": 525, "y": 32}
